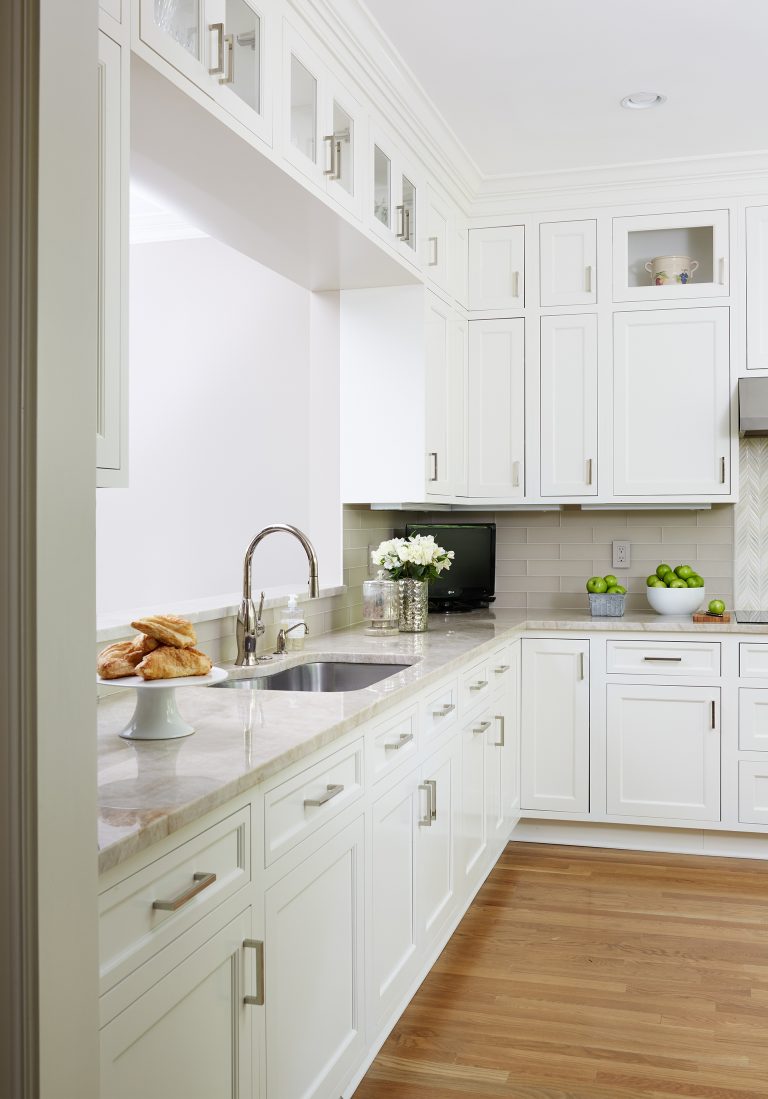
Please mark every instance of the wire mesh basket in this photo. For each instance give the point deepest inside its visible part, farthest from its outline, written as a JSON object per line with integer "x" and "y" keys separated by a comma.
{"x": 606, "y": 605}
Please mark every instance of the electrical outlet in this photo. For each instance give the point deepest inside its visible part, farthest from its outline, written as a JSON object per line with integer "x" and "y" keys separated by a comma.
{"x": 621, "y": 555}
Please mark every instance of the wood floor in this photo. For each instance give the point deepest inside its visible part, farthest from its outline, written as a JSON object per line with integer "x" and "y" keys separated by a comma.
{"x": 581, "y": 973}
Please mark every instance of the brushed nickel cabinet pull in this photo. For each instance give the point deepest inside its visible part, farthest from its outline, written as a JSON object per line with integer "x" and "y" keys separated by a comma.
{"x": 722, "y": 270}
{"x": 433, "y": 455}
{"x": 501, "y": 741}
{"x": 663, "y": 659}
{"x": 258, "y": 946}
{"x": 218, "y": 30}
{"x": 722, "y": 470}
{"x": 712, "y": 714}
{"x": 482, "y": 727}
{"x": 588, "y": 279}
{"x": 515, "y": 475}
{"x": 432, "y": 784}
{"x": 589, "y": 471}
{"x": 331, "y": 791}
{"x": 201, "y": 880}
{"x": 331, "y": 146}
{"x": 501, "y": 669}
{"x": 229, "y": 76}
{"x": 479, "y": 685}
{"x": 515, "y": 284}
{"x": 448, "y": 708}
{"x": 405, "y": 738}
{"x": 426, "y": 821}
{"x": 581, "y": 665}
{"x": 433, "y": 244}
{"x": 400, "y": 222}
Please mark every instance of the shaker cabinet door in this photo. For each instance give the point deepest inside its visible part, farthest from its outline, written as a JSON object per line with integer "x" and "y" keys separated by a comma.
{"x": 568, "y": 262}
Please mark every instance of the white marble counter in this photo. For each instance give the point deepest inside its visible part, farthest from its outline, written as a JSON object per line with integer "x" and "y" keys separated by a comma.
{"x": 148, "y": 790}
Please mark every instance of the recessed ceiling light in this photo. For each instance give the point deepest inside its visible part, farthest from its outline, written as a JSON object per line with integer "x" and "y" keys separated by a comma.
{"x": 640, "y": 101}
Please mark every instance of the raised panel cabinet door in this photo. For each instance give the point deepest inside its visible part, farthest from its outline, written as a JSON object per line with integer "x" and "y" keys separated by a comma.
{"x": 496, "y": 402}
{"x": 314, "y": 970}
{"x": 555, "y": 726}
{"x": 192, "y": 1033}
{"x": 663, "y": 752}
{"x": 395, "y": 822}
{"x": 568, "y": 262}
{"x": 435, "y": 848}
{"x": 569, "y": 405}
{"x": 757, "y": 288}
{"x": 497, "y": 268}
{"x": 671, "y": 403}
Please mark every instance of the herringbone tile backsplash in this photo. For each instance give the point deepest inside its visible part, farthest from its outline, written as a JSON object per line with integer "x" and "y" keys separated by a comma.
{"x": 751, "y": 527}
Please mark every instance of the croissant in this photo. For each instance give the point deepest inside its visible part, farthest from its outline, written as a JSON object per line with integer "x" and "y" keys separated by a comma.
{"x": 143, "y": 644}
{"x": 118, "y": 660}
{"x": 168, "y": 662}
{"x": 168, "y": 629}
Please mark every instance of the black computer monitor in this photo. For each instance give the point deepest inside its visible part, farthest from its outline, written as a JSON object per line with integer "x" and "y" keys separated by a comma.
{"x": 471, "y": 581}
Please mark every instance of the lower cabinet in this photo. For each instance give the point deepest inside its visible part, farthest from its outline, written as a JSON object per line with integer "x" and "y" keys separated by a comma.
{"x": 663, "y": 751}
{"x": 191, "y": 1033}
{"x": 315, "y": 1033}
{"x": 555, "y": 725}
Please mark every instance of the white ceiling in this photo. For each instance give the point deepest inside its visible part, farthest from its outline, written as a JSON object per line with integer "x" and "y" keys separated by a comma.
{"x": 534, "y": 85}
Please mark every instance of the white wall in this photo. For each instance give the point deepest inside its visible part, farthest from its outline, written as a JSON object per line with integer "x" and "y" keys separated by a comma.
{"x": 220, "y": 440}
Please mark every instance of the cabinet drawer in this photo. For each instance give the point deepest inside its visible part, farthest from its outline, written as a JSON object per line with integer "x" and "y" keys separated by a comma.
{"x": 394, "y": 743}
{"x": 663, "y": 658}
{"x": 296, "y": 808}
{"x": 475, "y": 686}
{"x": 753, "y": 660}
{"x": 753, "y": 719}
{"x": 500, "y": 668}
{"x": 187, "y": 882}
{"x": 753, "y": 792}
{"x": 440, "y": 710}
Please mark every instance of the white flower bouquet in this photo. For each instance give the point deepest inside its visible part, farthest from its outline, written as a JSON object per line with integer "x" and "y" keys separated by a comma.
{"x": 416, "y": 558}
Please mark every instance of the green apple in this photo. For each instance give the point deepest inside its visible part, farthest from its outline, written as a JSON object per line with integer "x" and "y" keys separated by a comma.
{"x": 617, "y": 589}
{"x": 678, "y": 584}
{"x": 695, "y": 581}
{"x": 683, "y": 572}
{"x": 716, "y": 606}
{"x": 596, "y": 585}
{"x": 662, "y": 571}
{"x": 654, "y": 582}
{"x": 610, "y": 580}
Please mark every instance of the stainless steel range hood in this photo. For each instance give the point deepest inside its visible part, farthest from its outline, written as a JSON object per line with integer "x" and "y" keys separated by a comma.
{"x": 753, "y": 407}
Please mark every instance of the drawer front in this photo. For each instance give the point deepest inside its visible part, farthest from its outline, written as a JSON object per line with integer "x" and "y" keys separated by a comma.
{"x": 500, "y": 668}
{"x": 394, "y": 743}
{"x": 753, "y": 792}
{"x": 753, "y": 660}
{"x": 475, "y": 686}
{"x": 753, "y": 719}
{"x": 298, "y": 807}
{"x": 440, "y": 711}
{"x": 663, "y": 658}
{"x": 143, "y": 913}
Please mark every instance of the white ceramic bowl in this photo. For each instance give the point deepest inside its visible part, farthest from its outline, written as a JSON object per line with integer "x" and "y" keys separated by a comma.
{"x": 676, "y": 600}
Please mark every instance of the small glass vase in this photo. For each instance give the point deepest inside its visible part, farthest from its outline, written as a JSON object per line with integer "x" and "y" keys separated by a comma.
{"x": 412, "y": 606}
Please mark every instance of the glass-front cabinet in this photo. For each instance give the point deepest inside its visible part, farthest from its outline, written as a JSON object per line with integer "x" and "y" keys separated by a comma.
{"x": 394, "y": 198}
{"x": 220, "y": 45}
{"x": 321, "y": 129}
{"x": 679, "y": 255}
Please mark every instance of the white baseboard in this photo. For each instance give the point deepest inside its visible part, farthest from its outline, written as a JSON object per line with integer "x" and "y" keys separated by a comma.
{"x": 630, "y": 837}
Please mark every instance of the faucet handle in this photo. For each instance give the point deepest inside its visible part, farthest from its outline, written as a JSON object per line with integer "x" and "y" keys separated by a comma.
{"x": 261, "y": 608}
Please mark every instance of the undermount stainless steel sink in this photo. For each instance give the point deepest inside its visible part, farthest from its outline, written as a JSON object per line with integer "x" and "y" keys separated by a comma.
{"x": 317, "y": 675}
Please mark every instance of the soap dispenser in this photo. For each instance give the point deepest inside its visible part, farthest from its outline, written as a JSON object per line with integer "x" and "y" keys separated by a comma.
{"x": 293, "y": 616}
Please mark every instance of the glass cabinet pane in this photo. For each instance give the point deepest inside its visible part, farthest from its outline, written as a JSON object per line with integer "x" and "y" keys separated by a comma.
{"x": 408, "y": 228}
{"x": 303, "y": 109}
{"x": 243, "y": 28}
{"x": 180, "y": 19}
{"x": 342, "y": 154}
{"x": 382, "y": 189}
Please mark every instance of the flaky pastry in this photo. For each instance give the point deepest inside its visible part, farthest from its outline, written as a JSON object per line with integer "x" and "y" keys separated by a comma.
{"x": 168, "y": 629}
{"x": 168, "y": 662}
{"x": 118, "y": 660}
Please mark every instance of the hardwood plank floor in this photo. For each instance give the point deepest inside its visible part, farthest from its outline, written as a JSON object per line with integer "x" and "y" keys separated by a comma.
{"x": 584, "y": 973}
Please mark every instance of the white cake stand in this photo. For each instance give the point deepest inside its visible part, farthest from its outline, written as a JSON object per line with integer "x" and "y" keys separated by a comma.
{"x": 156, "y": 716}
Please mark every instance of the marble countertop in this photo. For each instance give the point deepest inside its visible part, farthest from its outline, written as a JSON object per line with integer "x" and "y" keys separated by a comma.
{"x": 147, "y": 790}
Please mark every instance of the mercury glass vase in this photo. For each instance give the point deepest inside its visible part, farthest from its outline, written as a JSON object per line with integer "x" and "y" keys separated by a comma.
{"x": 412, "y": 606}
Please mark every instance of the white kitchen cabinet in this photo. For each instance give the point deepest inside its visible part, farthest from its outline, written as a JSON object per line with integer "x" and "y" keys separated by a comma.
{"x": 569, "y": 395}
{"x": 438, "y": 230}
{"x": 458, "y": 264}
{"x": 497, "y": 268}
{"x": 753, "y": 719}
{"x": 753, "y": 792}
{"x": 568, "y": 263}
{"x": 436, "y": 894}
{"x": 221, "y": 46}
{"x": 112, "y": 341}
{"x": 700, "y": 235}
{"x": 555, "y": 725}
{"x": 322, "y": 124}
{"x": 663, "y": 751}
{"x": 445, "y": 399}
{"x": 502, "y": 751}
{"x": 671, "y": 403}
{"x": 496, "y": 409}
{"x": 191, "y": 1033}
{"x": 472, "y": 829}
{"x": 394, "y": 197}
{"x": 757, "y": 288}
{"x": 314, "y": 970}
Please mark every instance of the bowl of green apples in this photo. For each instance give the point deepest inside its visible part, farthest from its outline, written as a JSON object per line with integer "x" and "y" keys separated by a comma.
{"x": 675, "y": 591}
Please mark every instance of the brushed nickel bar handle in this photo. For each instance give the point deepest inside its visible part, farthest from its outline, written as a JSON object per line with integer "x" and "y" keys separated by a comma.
{"x": 229, "y": 77}
{"x": 329, "y": 139}
{"x": 722, "y": 470}
{"x": 714, "y": 722}
{"x": 479, "y": 685}
{"x": 589, "y": 471}
{"x": 482, "y": 727}
{"x": 407, "y": 234}
{"x": 426, "y": 822}
{"x": 501, "y": 669}
{"x": 515, "y": 284}
{"x": 515, "y": 475}
{"x": 433, "y": 244}
{"x": 588, "y": 276}
{"x": 405, "y": 738}
{"x": 433, "y": 455}
{"x": 400, "y": 222}
{"x": 202, "y": 881}
{"x": 500, "y": 743}
{"x": 331, "y": 791}
{"x": 218, "y": 30}
{"x": 663, "y": 659}
{"x": 722, "y": 270}
{"x": 258, "y": 946}
{"x": 581, "y": 665}
{"x": 432, "y": 784}
{"x": 448, "y": 708}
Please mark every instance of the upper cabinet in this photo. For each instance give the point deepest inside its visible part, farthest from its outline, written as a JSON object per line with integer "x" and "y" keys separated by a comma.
{"x": 394, "y": 199}
{"x": 220, "y": 45}
{"x": 671, "y": 403}
{"x": 496, "y": 409}
{"x": 445, "y": 395}
{"x": 757, "y": 288}
{"x": 568, "y": 262}
{"x": 497, "y": 268}
{"x": 322, "y": 124}
{"x": 437, "y": 233}
{"x": 683, "y": 255}
{"x": 569, "y": 405}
